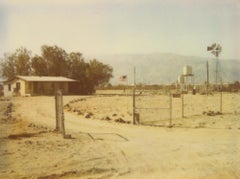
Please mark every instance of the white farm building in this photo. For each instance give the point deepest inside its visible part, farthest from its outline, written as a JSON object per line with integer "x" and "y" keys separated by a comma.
{"x": 36, "y": 85}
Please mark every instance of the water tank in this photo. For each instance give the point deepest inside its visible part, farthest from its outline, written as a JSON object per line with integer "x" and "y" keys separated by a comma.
{"x": 181, "y": 79}
{"x": 187, "y": 70}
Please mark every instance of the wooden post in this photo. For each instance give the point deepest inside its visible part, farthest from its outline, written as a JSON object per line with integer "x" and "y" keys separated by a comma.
{"x": 60, "y": 126}
{"x": 170, "y": 110}
{"x": 63, "y": 125}
{"x": 134, "y": 110}
{"x": 62, "y": 115}
{"x": 58, "y": 110}
{"x": 182, "y": 104}
{"x": 137, "y": 118}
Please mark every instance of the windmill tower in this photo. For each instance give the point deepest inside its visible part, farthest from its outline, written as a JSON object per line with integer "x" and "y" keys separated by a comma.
{"x": 216, "y": 49}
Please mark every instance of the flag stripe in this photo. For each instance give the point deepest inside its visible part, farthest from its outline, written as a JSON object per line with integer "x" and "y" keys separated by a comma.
{"x": 123, "y": 78}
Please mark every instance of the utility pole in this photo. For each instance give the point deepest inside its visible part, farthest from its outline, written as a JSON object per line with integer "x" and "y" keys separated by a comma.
{"x": 207, "y": 85}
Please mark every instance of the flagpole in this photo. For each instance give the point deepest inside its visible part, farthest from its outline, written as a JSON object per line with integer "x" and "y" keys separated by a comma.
{"x": 134, "y": 105}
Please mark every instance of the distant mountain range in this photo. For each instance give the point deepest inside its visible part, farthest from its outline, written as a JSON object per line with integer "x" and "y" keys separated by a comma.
{"x": 165, "y": 68}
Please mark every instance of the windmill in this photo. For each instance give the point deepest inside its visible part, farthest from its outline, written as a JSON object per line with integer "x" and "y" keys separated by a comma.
{"x": 215, "y": 49}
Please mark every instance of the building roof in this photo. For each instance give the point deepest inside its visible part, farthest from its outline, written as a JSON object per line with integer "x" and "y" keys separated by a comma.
{"x": 45, "y": 78}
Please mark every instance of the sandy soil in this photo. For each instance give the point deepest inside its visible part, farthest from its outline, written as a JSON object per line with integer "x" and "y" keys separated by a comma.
{"x": 197, "y": 146}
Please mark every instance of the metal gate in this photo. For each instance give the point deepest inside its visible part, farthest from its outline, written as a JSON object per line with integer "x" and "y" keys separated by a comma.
{"x": 152, "y": 108}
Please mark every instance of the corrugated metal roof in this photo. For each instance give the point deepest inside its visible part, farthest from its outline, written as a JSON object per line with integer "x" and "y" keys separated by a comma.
{"x": 46, "y": 78}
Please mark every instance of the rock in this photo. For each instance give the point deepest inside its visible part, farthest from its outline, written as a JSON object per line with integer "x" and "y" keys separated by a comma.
{"x": 89, "y": 115}
{"x": 218, "y": 113}
{"x": 80, "y": 113}
{"x": 66, "y": 106}
{"x": 31, "y": 125}
{"x": 120, "y": 120}
{"x": 106, "y": 118}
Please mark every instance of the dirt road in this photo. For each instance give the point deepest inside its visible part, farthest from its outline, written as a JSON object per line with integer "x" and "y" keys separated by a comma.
{"x": 103, "y": 149}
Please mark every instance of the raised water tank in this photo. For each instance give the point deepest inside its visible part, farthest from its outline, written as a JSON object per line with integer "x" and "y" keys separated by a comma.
{"x": 181, "y": 79}
{"x": 187, "y": 70}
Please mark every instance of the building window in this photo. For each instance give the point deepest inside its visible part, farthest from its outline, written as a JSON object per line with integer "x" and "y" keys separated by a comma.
{"x": 9, "y": 87}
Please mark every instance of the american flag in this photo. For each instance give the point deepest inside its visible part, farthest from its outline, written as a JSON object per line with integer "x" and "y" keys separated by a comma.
{"x": 123, "y": 78}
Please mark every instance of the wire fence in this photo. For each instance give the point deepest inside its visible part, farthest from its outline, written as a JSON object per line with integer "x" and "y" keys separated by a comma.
{"x": 160, "y": 108}
{"x": 185, "y": 110}
{"x": 152, "y": 108}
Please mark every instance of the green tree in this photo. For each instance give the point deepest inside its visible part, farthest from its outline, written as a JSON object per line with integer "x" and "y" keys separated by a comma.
{"x": 77, "y": 70}
{"x": 76, "y": 66}
{"x": 89, "y": 74}
{"x": 56, "y": 59}
{"x": 99, "y": 73}
{"x": 39, "y": 66}
{"x": 8, "y": 66}
{"x": 17, "y": 63}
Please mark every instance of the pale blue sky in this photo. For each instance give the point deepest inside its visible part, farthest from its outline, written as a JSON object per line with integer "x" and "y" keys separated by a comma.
{"x": 107, "y": 26}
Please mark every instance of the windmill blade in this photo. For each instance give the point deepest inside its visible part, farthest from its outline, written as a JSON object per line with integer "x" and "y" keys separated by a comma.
{"x": 214, "y": 45}
{"x": 214, "y": 52}
{"x": 219, "y": 48}
{"x": 209, "y": 48}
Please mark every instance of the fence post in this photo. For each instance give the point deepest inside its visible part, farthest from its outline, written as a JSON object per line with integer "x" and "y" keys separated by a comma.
{"x": 63, "y": 125}
{"x": 182, "y": 104}
{"x": 221, "y": 99}
{"x": 60, "y": 127}
{"x": 56, "y": 111}
{"x": 57, "y": 108}
{"x": 170, "y": 109}
{"x": 62, "y": 116}
{"x": 134, "y": 111}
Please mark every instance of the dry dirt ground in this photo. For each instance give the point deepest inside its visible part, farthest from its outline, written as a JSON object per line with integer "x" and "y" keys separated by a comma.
{"x": 105, "y": 143}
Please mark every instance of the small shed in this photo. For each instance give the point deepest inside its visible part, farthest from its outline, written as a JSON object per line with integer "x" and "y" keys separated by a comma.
{"x": 36, "y": 85}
